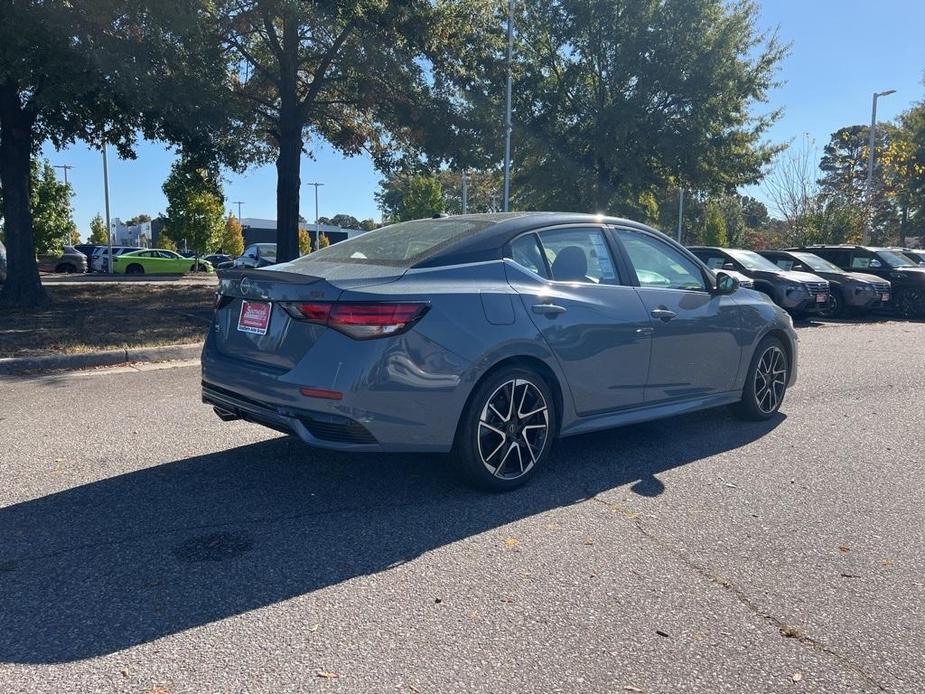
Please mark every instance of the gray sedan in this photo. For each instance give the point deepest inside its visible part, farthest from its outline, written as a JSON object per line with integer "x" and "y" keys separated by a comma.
{"x": 490, "y": 336}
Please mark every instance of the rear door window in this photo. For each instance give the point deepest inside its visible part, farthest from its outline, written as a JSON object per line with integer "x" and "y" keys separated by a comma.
{"x": 579, "y": 254}
{"x": 526, "y": 252}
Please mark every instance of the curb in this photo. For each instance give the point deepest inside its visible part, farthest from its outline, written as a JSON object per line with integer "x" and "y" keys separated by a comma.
{"x": 111, "y": 357}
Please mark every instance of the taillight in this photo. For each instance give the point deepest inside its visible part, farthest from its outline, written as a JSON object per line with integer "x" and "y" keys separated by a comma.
{"x": 361, "y": 321}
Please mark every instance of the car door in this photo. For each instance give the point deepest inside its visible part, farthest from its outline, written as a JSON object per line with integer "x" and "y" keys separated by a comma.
{"x": 695, "y": 343}
{"x": 171, "y": 262}
{"x": 595, "y": 325}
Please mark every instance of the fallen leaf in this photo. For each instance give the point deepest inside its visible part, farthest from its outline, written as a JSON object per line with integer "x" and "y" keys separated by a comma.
{"x": 511, "y": 542}
{"x": 790, "y": 632}
{"x": 661, "y": 633}
{"x": 315, "y": 627}
{"x": 327, "y": 675}
{"x": 437, "y": 601}
{"x": 796, "y": 676}
{"x": 843, "y": 549}
{"x": 631, "y": 688}
{"x": 124, "y": 672}
{"x": 589, "y": 541}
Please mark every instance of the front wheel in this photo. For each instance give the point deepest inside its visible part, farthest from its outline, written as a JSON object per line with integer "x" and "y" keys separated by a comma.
{"x": 766, "y": 381}
{"x": 506, "y": 430}
{"x": 835, "y": 308}
{"x": 134, "y": 269}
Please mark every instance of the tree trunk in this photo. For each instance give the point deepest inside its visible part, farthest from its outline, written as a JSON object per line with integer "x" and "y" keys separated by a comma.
{"x": 288, "y": 182}
{"x": 23, "y": 287}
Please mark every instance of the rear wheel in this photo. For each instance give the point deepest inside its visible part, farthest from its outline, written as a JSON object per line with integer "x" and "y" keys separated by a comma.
{"x": 66, "y": 268}
{"x": 134, "y": 269}
{"x": 507, "y": 429}
{"x": 910, "y": 303}
{"x": 766, "y": 382}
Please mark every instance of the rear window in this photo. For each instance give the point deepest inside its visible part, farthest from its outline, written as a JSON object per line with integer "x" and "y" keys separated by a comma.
{"x": 401, "y": 245}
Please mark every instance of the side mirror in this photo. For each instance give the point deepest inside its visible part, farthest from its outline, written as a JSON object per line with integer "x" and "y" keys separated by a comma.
{"x": 728, "y": 266}
{"x": 725, "y": 284}
{"x": 875, "y": 263}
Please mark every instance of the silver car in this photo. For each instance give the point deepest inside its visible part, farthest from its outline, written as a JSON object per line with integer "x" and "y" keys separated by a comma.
{"x": 490, "y": 336}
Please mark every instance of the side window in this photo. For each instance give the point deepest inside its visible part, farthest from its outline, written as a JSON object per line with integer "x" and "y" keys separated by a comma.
{"x": 579, "y": 255}
{"x": 525, "y": 251}
{"x": 784, "y": 264}
{"x": 860, "y": 261}
{"x": 659, "y": 265}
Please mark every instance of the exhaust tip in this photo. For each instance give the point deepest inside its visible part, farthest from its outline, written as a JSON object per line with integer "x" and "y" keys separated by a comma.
{"x": 225, "y": 415}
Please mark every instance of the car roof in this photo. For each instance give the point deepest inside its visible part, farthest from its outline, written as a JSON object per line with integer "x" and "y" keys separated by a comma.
{"x": 493, "y": 231}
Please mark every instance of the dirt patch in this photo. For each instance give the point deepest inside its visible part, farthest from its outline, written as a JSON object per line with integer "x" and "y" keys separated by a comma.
{"x": 83, "y": 318}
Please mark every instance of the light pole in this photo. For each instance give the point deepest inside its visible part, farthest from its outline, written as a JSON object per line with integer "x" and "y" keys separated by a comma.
{"x": 109, "y": 262}
{"x": 507, "y": 117}
{"x": 870, "y": 164}
{"x": 465, "y": 193}
{"x": 238, "y": 203}
{"x": 65, "y": 168}
{"x": 317, "y": 223}
{"x": 680, "y": 211}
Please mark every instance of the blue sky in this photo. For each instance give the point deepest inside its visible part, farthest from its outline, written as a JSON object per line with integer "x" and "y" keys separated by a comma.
{"x": 843, "y": 51}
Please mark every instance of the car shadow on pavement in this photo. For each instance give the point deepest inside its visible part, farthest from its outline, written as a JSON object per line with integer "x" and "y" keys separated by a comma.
{"x": 122, "y": 561}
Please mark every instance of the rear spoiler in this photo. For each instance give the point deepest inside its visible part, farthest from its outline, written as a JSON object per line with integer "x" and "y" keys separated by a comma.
{"x": 264, "y": 274}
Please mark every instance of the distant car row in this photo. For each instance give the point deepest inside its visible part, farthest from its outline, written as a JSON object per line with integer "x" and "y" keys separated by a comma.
{"x": 829, "y": 280}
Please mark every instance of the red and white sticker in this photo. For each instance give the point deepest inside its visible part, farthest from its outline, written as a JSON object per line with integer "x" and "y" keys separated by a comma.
{"x": 255, "y": 317}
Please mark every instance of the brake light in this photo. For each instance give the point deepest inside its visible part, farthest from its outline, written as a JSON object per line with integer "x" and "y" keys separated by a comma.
{"x": 361, "y": 320}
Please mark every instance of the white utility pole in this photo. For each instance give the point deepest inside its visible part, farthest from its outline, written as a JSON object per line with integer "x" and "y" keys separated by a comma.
{"x": 317, "y": 223}
{"x": 868, "y": 228}
{"x": 507, "y": 117}
{"x": 465, "y": 193}
{"x": 680, "y": 211}
{"x": 109, "y": 262}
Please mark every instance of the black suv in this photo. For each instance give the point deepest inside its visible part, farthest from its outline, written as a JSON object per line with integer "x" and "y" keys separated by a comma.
{"x": 799, "y": 293}
{"x": 907, "y": 278}
{"x": 849, "y": 291}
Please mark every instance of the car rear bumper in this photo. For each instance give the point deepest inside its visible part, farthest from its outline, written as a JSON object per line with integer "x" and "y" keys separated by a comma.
{"x": 391, "y": 399}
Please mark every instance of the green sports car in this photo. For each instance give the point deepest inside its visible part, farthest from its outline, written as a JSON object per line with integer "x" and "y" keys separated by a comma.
{"x": 158, "y": 261}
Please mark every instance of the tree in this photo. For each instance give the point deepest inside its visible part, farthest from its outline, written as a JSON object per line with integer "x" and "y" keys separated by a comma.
{"x": 50, "y": 207}
{"x": 73, "y": 234}
{"x": 620, "y": 99}
{"x": 195, "y": 205}
{"x": 367, "y": 75}
{"x": 483, "y": 190}
{"x": 844, "y": 166}
{"x": 714, "y": 227}
{"x": 323, "y": 241}
{"x": 232, "y": 241}
{"x": 345, "y": 221}
{"x": 369, "y": 224}
{"x": 137, "y": 219}
{"x": 305, "y": 241}
{"x": 410, "y": 197}
{"x": 98, "y": 72}
{"x": 98, "y": 233}
{"x": 903, "y": 165}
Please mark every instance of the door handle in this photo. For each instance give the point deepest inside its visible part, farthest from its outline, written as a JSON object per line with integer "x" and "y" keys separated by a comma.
{"x": 548, "y": 309}
{"x": 663, "y": 314}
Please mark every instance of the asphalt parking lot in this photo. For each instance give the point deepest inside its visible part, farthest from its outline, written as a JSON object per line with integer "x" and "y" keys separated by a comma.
{"x": 147, "y": 547}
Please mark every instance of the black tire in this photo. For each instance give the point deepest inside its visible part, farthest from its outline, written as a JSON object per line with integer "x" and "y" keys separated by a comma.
{"x": 835, "y": 308}
{"x": 756, "y": 403}
{"x": 66, "y": 268}
{"x": 484, "y": 436}
{"x": 910, "y": 303}
{"x": 134, "y": 269}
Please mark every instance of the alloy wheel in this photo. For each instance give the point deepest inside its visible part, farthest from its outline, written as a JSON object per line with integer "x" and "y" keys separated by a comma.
{"x": 513, "y": 429}
{"x": 770, "y": 379}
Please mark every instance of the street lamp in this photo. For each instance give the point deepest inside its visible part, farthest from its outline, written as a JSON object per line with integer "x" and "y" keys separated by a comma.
{"x": 109, "y": 262}
{"x": 507, "y": 116}
{"x": 317, "y": 223}
{"x": 65, "y": 168}
{"x": 870, "y": 164}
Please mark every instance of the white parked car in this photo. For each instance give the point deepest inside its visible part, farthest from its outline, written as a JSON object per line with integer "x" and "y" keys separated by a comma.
{"x": 99, "y": 262}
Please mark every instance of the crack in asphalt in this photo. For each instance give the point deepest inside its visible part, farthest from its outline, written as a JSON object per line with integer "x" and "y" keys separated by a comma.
{"x": 785, "y": 630}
